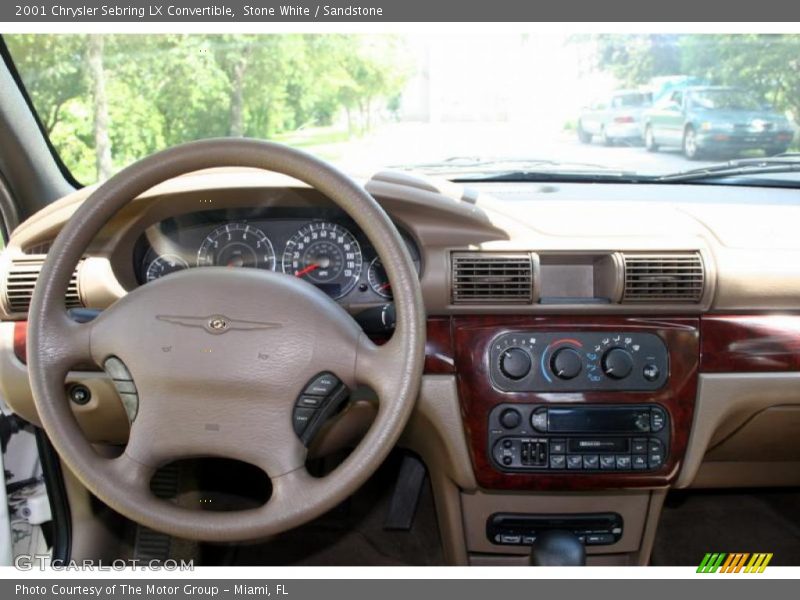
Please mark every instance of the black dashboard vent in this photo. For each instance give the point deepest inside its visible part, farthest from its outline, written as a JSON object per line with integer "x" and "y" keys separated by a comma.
{"x": 492, "y": 278}
{"x": 21, "y": 279}
{"x": 677, "y": 277}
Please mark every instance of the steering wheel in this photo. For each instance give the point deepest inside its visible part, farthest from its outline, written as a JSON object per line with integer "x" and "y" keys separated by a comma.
{"x": 218, "y": 357}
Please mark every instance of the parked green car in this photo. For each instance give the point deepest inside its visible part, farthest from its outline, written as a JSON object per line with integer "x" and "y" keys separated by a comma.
{"x": 715, "y": 120}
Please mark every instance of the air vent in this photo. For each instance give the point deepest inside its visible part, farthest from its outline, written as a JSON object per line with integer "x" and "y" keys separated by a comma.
{"x": 492, "y": 278}
{"x": 664, "y": 277}
{"x": 21, "y": 280}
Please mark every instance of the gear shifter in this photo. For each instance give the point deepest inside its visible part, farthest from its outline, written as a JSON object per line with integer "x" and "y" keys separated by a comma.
{"x": 557, "y": 548}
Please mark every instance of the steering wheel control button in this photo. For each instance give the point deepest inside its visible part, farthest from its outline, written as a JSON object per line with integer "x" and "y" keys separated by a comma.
{"x": 510, "y": 418}
{"x": 515, "y": 363}
{"x": 566, "y": 363}
{"x": 617, "y": 363}
{"x": 321, "y": 398}
{"x": 311, "y": 401}
{"x": 126, "y": 388}
{"x": 302, "y": 417}
{"x": 322, "y": 385}
{"x": 79, "y": 394}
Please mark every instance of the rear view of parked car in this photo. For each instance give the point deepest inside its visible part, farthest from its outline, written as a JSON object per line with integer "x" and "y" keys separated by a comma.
{"x": 716, "y": 120}
{"x": 616, "y": 119}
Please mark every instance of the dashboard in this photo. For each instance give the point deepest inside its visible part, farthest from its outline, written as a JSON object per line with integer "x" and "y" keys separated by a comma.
{"x": 319, "y": 245}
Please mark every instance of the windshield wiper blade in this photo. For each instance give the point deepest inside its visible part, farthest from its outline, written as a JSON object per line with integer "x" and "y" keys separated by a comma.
{"x": 564, "y": 176}
{"x": 484, "y": 164}
{"x": 785, "y": 163}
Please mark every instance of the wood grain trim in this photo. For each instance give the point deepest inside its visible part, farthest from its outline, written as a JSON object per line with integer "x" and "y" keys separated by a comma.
{"x": 471, "y": 337}
{"x": 750, "y": 343}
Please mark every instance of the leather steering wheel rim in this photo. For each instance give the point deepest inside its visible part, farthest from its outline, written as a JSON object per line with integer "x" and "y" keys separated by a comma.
{"x": 244, "y": 410}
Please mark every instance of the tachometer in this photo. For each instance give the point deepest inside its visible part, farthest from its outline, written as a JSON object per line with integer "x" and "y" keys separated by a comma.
{"x": 236, "y": 245}
{"x": 325, "y": 254}
{"x": 164, "y": 265}
{"x": 378, "y": 280}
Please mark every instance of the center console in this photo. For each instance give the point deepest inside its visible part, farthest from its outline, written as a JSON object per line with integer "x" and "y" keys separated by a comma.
{"x": 576, "y": 403}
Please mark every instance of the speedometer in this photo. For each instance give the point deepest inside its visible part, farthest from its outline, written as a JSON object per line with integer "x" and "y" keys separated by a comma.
{"x": 324, "y": 254}
{"x": 236, "y": 245}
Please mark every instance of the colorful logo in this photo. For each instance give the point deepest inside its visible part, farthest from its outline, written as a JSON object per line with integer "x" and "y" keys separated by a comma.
{"x": 736, "y": 562}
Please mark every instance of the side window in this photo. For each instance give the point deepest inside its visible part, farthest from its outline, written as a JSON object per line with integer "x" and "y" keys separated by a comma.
{"x": 677, "y": 99}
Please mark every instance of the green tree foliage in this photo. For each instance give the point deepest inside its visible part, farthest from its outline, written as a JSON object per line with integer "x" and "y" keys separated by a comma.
{"x": 634, "y": 59}
{"x": 768, "y": 64}
{"x": 165, "y": 89}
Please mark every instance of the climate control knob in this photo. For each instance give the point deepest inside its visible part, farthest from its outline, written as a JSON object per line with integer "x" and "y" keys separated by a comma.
{"x": 566, "y": 363}
{"x": 617, "y": 363}
{"x": 515, "y": 363}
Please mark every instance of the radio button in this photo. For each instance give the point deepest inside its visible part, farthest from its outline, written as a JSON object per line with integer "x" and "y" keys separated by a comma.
{"x": 639, "y": 446}
{"x": 608, "y": 463}
{"x": 539, "y": 419}
{"x": 657, "y": 419}
{"x": 591, "y": 461}
{"x": 623, "y": 462}
{"x": 650, "y": 372}
{"x": 574, "y": 461}
{"x": 557, "y": 461}
{"x": 640, "y": 462}
{"x": 558, "y": 446}
{"x": 655, "y": 460}
{"x": 510, "y": 418}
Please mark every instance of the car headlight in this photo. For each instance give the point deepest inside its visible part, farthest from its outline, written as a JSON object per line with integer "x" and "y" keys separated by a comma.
{"x": 712, "y": 126}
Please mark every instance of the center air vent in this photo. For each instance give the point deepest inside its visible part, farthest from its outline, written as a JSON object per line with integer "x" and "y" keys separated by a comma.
{"x": 21, "y": 280}
{"x": 492, "y": 277}
{"x": 663, "y": 277}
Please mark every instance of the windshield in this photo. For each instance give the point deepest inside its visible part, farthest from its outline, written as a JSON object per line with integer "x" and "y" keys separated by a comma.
{"x": 726, "y": 100}
{"x": 450, "y": 104}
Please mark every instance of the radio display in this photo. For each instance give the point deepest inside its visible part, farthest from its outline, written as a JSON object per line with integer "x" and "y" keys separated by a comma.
{"x": 593, "y": 420}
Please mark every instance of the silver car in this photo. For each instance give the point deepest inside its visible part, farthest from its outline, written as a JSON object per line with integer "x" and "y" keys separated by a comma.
{"x": 615, "y": 119}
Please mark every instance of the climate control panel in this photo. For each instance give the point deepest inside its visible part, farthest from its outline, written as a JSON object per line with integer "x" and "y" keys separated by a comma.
{"x": 530, "y": 361}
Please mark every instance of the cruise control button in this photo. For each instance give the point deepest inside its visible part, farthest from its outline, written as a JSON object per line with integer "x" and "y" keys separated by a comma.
{"x": 574, "y": 461}
{"x": 623, "y": 461}
{"x": 557, "y": 461}
{"x": 311, "y": 401}
{"x": 302, "y": 417}
{"x": 322, "y": 385}
{"x": 591, "y": 461}
{"x": 608, "y": 462}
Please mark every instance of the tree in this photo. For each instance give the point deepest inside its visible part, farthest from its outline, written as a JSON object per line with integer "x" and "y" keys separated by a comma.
{"x": 769, "y": 64}
{"x": 636, "y": 58}
{"x": 102, "y": 143}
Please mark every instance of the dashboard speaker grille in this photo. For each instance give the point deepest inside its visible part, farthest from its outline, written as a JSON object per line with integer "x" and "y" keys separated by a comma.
{"x": 664, "y": 277}
{"x": 21, "y": 280}
{"x": 491, "y": 278}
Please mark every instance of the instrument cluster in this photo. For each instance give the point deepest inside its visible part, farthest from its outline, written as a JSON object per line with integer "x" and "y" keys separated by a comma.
{"x": 329, "y": 252}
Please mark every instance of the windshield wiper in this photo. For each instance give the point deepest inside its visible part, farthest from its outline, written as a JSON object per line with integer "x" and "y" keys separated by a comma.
{"x": 469, "y": 168}
{"x": 785, "y": 163}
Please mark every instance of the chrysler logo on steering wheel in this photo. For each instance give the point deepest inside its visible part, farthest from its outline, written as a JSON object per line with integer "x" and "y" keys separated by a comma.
{"x": 217, "y": 324}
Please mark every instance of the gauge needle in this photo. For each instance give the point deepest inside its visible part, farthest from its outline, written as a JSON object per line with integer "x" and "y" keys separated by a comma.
{"x": 385, "y": 286}
{"x": 306, "y": 270}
